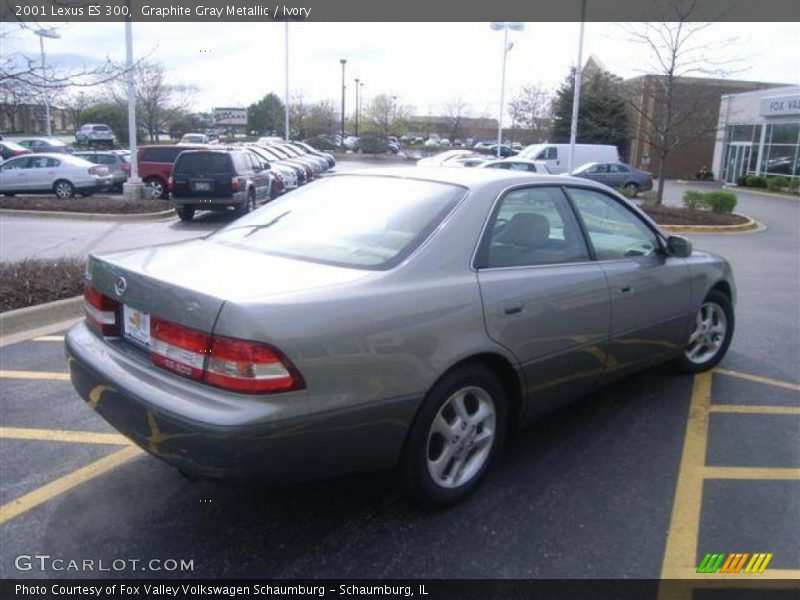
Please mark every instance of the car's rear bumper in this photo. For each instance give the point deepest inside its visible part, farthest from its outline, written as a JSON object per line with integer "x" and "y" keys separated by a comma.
{"x": 210, "y": 432}
{"x": 208, "y": 203}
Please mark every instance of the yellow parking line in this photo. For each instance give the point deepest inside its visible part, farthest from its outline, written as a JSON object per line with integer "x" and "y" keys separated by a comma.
{"x": 34, "y": 375}
{"x": 754, "y": 409}
{"x": 49, "y": 491}
{"x": 795, "y": 387}
{"x": 59, "y": 435}
{"x": 750, "y": 473}
{"x": 49, "y": 338}
{"x": 681, "y": 548}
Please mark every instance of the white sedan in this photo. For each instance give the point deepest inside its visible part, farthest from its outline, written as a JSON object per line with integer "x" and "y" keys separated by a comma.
{"x": 517, "y": 164}
{"x": 59, "y": 174}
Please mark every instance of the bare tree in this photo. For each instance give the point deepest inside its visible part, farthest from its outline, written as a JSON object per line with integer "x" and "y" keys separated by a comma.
{"x": 455, "y": 111}
{"x": 158, "y": 102}
{"x": 531, "y": 109}
{"x": 385, "y": 113}
{"x": 677, "y": 51}
{"x": 299, "y": 113}
{"x": 75, "y": 102}
{"x": 14, "y": 96}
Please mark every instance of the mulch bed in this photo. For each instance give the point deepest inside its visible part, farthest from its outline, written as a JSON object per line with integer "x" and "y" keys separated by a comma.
{"x": 92, "y": 204}
{"x": 674, "y": 215}
{"x": 29, "y": 282}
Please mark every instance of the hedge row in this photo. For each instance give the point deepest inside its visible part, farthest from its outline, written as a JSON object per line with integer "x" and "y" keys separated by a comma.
{"x": 774, "y": 183}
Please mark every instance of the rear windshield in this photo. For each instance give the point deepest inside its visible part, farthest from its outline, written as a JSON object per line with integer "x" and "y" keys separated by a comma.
{"x": 208, "y": 163}
{"x": 352, "y": 221}
{"x": 101, "y": 128}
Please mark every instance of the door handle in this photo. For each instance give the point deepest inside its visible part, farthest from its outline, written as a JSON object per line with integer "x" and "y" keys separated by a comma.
{"x": 626, "y": 289}
{"x": 513, "y": 309}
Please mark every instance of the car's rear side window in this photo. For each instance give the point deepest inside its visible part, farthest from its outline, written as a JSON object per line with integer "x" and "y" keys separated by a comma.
{"x": 161, "y": 155}
{"x": 207, "y": 163}
{"x": 353, "y": 221}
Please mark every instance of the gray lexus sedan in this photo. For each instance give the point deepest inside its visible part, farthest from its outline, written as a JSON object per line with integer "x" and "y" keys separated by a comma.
{"x": 393, "y": 317}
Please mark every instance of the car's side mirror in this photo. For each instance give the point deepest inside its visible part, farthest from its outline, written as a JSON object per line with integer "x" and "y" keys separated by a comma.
{"x": 679, "y": 246}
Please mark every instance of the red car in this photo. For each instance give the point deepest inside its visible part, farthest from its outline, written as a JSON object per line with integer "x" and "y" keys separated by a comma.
{"x": 155, "y": 166}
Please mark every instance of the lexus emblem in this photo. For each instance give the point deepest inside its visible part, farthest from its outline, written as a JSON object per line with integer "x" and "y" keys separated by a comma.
{"x": 120, "y": 285}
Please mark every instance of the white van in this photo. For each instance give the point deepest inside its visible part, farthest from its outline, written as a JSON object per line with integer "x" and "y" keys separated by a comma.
{"x": 557, "y": 155}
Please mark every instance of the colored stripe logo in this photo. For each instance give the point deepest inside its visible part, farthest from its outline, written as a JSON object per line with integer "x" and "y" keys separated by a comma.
{"x": 734, "y": 563}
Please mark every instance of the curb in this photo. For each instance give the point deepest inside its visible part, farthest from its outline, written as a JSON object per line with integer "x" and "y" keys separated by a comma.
{"x": 748, "y": 190}
{"x": 41, "y": 315}
{"x": 750, "y": 225}
{"x": 54, "y": 214}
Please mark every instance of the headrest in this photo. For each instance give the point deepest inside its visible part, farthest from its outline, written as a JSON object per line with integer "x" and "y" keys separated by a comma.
{"x": 526, "y": 229}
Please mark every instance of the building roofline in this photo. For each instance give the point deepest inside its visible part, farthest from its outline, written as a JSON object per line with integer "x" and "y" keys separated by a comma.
{"x": 770, "y": 90}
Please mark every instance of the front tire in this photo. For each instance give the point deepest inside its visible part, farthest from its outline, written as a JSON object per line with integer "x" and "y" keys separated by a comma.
{"x": 157, "y": 187}
{"x": 632, "y": 188}
{"x": 455, "y": 436}
{"x": 711, "y": 335}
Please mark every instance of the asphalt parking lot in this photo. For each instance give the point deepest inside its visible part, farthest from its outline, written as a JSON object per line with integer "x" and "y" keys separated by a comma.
{"x": 640, "y": 480}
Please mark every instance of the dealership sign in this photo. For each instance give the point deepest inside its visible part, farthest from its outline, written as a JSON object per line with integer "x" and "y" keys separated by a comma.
{"x": 230, "y": 116}
{"x": 779, "y": 106}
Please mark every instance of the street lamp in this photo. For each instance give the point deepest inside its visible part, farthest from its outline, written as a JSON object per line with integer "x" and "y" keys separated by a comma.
{"x": 504, "y": 26}
{"x": 286, "y": 72}
{"x": 343, "y": 62}
{"x": 52, "y": 34}
{"x": 576, "y": 96}
{"x": 358, "y": 84}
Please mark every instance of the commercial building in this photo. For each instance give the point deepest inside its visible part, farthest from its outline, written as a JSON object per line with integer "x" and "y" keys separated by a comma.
{"x": 30, "y": 118}
{"x": 758, "y": 134}
{"x": 694, "y": 132}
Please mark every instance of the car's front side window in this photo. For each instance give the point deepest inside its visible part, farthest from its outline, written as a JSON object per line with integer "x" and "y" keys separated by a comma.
{"x": 615, "y": 232}
{"x": 533, "y": 226}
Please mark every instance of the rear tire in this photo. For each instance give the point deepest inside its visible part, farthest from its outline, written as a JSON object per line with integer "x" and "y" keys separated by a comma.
{"x": 157, "y": 187}
{"x": 633, "y": 188}
{"x": 455, "y": 437}
{"x": 63, "y": 189}
{"x": 711, "y": 335}
{"x": 186, "y": 213}
{"x": 249, "y": 205}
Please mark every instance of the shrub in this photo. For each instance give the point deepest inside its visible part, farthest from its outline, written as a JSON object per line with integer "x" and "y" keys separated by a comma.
{"x": 29, "y": 282}
{"x": 794, "y": 184}
{"x": 720, "y": 201}
{"x": 756, "y": 181}
{"x": 692, "y": 199}
{"x": 704, "y": 175}
{"x": 777, "y": 183}
{"x": 741, "y": 180}
{"x": 628, "y": 193}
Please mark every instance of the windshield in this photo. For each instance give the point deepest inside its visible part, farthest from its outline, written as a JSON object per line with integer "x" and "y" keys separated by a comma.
{"x": 196, "y": 138}
{"x": 351, "y": 221}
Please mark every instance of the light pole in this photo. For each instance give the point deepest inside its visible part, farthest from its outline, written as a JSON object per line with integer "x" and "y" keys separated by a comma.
{"x": 358, "y": 84}
{"x": 504, "y": 26}
{"x": 52, "y": 34}
{"x": 286, "y": 69}
{"x": 576, "y": 97}
{"x": 133, "y": 189}
{"x": 343, "y": 62}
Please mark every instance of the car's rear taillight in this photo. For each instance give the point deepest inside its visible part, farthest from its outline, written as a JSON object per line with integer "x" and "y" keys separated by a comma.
{"x": 228, "y": 363}
{"x": 102, "y": 312}
{"x": 235, "y": 185}
{"x": 126, "y": 168}
{"x": 244, "y": 366}
{"x": 171, "y": 184}
{"x": 98, "y": 171}
{"x": 178, "y": 349}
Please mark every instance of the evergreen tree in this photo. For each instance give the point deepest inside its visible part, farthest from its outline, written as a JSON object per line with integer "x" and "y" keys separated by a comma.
{"x": 266, "y": 116}
{"x": 602, "y": 114}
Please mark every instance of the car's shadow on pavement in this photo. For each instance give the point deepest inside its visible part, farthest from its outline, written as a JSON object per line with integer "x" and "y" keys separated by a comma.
{"x": 206, "y": 221}
{"x": 599, "y": 474}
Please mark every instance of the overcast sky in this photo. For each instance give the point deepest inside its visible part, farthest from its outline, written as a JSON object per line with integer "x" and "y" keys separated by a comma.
{"x": 425, "y": 64}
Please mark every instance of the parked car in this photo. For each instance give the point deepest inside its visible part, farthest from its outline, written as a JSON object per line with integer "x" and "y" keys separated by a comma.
{"x": 505, "y": 150}
{"x": 557, "y": 155}
{"x": 217, "y": 180}
{"x": 61, "y": 174}
{"x": 326, "y": 155}
{"x": 50, "y": 145}
{"x": 440, "y": 159}
{"x": 194, "y": 139}
{"x": 315, "y": 337}
{"x": 303, "y": 170}
{"x": 445, "y": 142}
{"x": 617, "y": 175}
{"x": 313, "y": 167}
{"x": 95, "y": 133}
{"x": 517, "y": 164}
{"x": 284, "y": 176}
{"x": 117, "y": 163}
{"x": 10, "y": 150}
{"x": 155, "y": 166}
{"x": 320, "y": 164}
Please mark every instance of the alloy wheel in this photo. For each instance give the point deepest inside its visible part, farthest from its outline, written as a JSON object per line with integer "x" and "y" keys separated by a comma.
{"x": 461, "y": 436}
{"x": 710, "y": 328}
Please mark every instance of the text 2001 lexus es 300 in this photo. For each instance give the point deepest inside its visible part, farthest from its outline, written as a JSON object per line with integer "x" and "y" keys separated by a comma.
{"x": 405, "y": 317}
